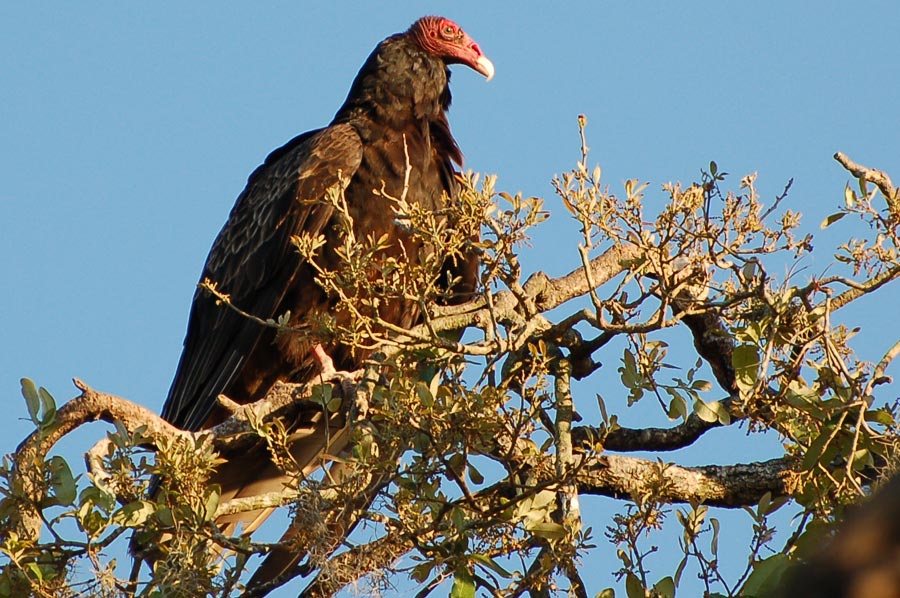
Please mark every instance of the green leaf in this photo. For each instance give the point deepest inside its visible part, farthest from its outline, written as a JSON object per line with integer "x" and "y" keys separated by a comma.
{"x": 746, "y": 361}
{"x": 540, "y": 503}
{"x": 803, "y": 397}
{"x": 677, "y": 407}
{"x": 665, "y": 587}
{"x": 602, "y": 404}
{"x": 164, "y": 514}
{"x": 831, "y": 219}
{"x": 815, "y": 450}
{"x": 547, "y": 529}
{"x": 763, "y": 507}
{"x": 212, "y": 503}
{"x": 778, "y": 503}
{"x": 32, "y": 401}
{"x": 421, "y": 571}
{"x": 458, "y": 517}
{"x": 766, "y": 576}
{"x": 475, "y": 475}
{"x": 61, "y": 481}
{"x": 810, "y": 542}
{"x": 680, "y": 570}
{"x": 704, "y": 412}
{"x": 849, "y": 196}
{"x": 701, "y": 385}
{"x": 435, "y": 385}
{"x": 121, "y": 430}
{"x": 490, "y": 564}
{"x": 48, "y": 406}
{"x": 92, "y": 496}
{"x": 606, "y": 593}
{"x": 714, "y": 542}
{"x": 36, "y": 571}
{"x": 861, "y": 459}
{"x": 633, "y": 586}
{"x": 92, "y": 522}
{"x": 863, "y": 186}
{"x": 134, "y": 514}
{"x": 721, "y": 414}
{"x": 628, "y": 370}
{"x": 880, "y": 416}
{"x": 321, "y": 395}
{"x": 463, "y": 585}
{"x": 426, "y": 397}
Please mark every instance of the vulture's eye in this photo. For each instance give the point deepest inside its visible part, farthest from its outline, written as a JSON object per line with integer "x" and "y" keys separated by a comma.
{"x": 448, "y": 30}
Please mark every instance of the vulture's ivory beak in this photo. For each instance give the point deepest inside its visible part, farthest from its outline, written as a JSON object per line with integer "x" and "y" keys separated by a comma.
{"x": 485, "y": 67}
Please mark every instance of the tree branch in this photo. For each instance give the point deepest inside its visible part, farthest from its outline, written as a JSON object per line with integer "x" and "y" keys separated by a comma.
{"x": 879, "y": 178}
{"x": 350, "y": 566}
{"x": 644, "y": 439}
{"x": 26, "y": 478}
{"x": 234, "y": 434}
{"x": 871, "y": 285}
{"x": 547, "y": 293}
{"x": 729, "y": 486}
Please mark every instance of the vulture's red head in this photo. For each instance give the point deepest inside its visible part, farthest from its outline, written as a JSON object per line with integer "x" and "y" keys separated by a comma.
{"x": 444, "y": 38}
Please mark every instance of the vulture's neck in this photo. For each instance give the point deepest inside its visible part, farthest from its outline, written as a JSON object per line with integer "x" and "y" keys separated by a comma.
{"x": 399, "y": 85}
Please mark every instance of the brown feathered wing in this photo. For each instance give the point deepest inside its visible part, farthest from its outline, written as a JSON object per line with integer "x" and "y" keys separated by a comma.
{"x": 255, "y": 264}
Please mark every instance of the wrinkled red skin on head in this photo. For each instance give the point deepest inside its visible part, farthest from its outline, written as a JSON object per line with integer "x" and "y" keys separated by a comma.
{"x": 444, "y": 38}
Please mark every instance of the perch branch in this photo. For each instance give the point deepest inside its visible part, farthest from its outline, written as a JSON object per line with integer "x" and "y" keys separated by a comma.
{"x": 91, "y": 405}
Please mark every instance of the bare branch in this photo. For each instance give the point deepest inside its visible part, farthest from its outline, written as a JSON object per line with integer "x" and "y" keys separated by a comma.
{"x": 645, "y": 439}
{"x": 728, "y": 486}
{"x": 550, "y": 293}
{"x": 879, "y": 178}
{"x": 565, "y": 458}
{"x": 869, "y": 286}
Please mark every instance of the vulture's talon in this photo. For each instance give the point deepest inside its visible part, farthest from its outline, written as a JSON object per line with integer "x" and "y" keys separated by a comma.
{"x": 326, "y": 364}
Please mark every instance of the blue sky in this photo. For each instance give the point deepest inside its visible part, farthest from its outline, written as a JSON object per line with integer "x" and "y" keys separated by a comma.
{"x": 127, "y": 130}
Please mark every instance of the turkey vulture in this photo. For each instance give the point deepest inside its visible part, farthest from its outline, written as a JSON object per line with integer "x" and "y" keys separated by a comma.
{"x": 394, "y": 115}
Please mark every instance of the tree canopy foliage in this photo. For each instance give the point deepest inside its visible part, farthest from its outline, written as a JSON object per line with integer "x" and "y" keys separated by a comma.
{"x": 470, "y": 455}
